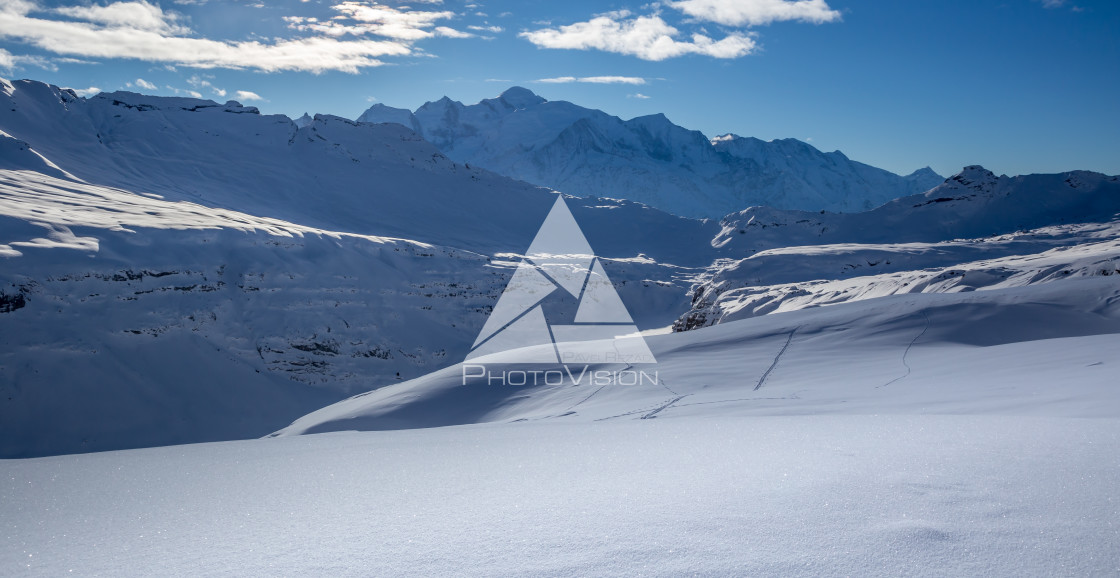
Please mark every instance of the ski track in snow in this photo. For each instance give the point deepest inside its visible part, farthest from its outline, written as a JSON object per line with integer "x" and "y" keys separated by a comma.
{"x": 667, "y": 405}
{"x": 907, "y": 351}
{"x": 777, "y": 358}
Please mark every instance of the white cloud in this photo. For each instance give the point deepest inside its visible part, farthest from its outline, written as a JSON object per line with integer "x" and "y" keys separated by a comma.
{"x": 68, "y": 60}
{"x": 493, "y": 29}
{"x": 638, "y": 95}
{"x": 9, "y": 62}
{"x": 451, "y": 32}
{"x": 360, "y": 18}
{"x": 87, "y": 92}
{"x": 647, "y": 37}
{"x": 246, "y": 95}
{"x": 190, "y": 93}
{"x": 136, "y": 30}
{"x": 757, "y": 12}
{"x": 201, "y": 81}
{"x": 595, "y": 79}
{"x": 133, "y": 15}
{"x": 140, "y": 82}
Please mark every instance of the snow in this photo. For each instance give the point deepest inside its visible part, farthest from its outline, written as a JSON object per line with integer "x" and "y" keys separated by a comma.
{"x": 646, "y": 159}
{"x": 289, "y": 279}
{"x": 990, "y": 352}
{"x": 341, "y": 257}
{"x": 928, "y": 388}
{"x": 929, "y": 435}
{"x": 303, "y": 121}
{"x": 889, "y": 438}
{"x": 975, "y": 232}
{"x": 925, "y": 435}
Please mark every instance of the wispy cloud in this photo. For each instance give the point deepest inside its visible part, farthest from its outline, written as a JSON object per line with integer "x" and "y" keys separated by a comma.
{"x": 9, "y": 62}
{"x": 141, "y": 83}
{"x": 1061, "y": 4}
{"x": 137, "y": 29}
{"x": 638, "y": 95}
{"x": 246, "y": 95}
{"x": 362, "y": 18}
{"x": 595, "y": 79}
{"x": 200, "y": 81}
{"x": 190, "y": 93}
{"x": 647, "y": 37}
{"x": 758, "y": 12}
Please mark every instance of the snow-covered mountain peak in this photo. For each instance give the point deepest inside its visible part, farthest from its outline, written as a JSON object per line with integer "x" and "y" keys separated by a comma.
{"x": 442, "y": 104}
{"x": 380, "y": 113}
{"x": 972, "y": 179}
{"x": 519, "y": 97}
{"x": 306, "y": 120}
{"x": 924, "y": 172}
{"x": 973, "y": 174}
{"x": 656, "y": 119}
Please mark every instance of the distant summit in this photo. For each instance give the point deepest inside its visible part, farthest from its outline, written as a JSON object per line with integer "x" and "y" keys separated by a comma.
{"x": 518, "y": 97}
{"x": 648, "y": 159}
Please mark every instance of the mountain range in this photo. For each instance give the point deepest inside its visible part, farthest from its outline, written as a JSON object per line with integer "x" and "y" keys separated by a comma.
{"x": 648, "y": 159}
{"x": 179, "y": 270}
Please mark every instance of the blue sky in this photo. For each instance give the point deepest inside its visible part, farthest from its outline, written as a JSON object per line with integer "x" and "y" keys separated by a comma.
{"x": 1019, "y": 86}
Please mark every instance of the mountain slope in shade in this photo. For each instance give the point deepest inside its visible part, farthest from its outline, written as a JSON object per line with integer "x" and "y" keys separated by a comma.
{"x": 646, "y": 159}
{"x": 200, "y": 271}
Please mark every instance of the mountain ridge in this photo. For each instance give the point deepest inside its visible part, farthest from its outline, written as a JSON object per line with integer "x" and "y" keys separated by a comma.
{"x": 648, "y": 159}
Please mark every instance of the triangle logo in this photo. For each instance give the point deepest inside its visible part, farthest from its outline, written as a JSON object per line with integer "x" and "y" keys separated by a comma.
{"x": 560, "y": 259}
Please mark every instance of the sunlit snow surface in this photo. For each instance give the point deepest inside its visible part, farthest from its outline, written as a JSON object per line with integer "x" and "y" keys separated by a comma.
{"x": 819, "y": 495}
{"x": 917, "y": 435}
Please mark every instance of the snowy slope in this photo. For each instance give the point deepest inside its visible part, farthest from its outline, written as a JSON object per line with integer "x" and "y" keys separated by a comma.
{"x": 171, "y": 312}
{"x": 928, "y": 435}
{"x": 332, "y": 174}
{"x": 191, "y": 243}
{"x": 852, "y": 495}
{"x": 157, "y": 244}
{"x": 888, "y": 355}
{"x": 975, "y": 232}
{"x": 646, "y": 159}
